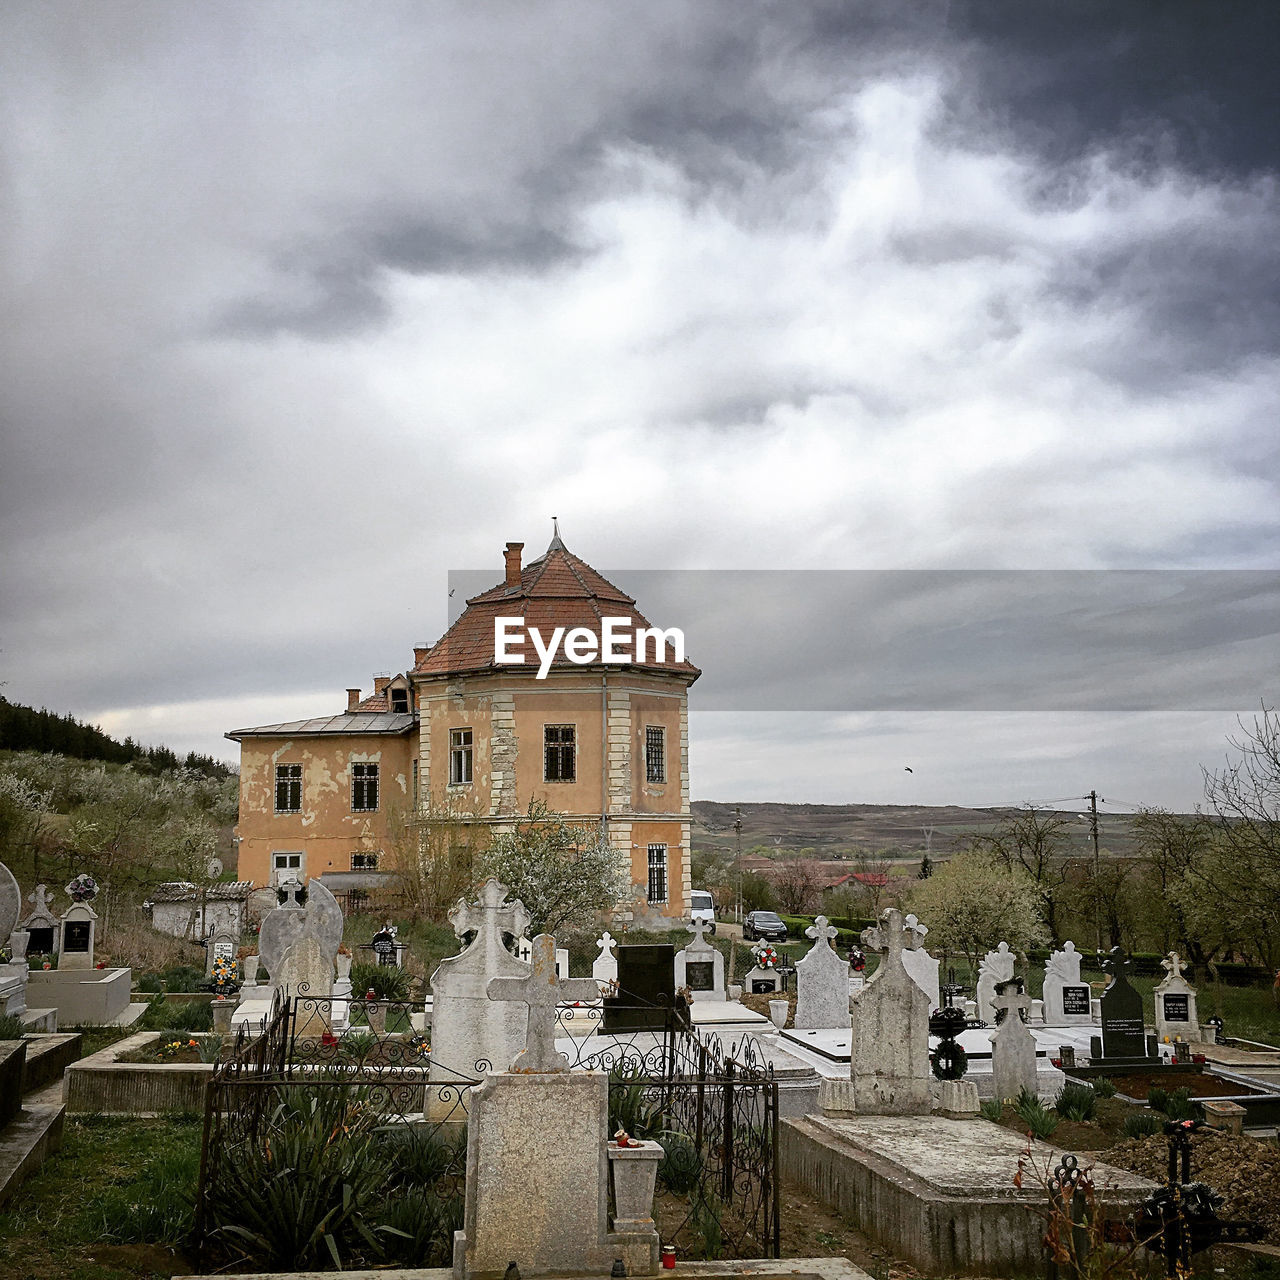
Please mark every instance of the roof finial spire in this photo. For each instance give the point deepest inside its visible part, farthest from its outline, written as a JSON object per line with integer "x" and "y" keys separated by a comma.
{"x": 555, "y": 536}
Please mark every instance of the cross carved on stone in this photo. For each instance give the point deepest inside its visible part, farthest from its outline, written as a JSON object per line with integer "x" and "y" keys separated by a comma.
{"x": 821, "y": 930}
{"x": 606, "y": 942}
{"x": 891, "y": 936}
{"x": 542, "y": 991}
{"x": 1173, "y": 965}
{"x": 490, "y": 916}
{"x": 292, "y": 890}
{"x": 40, "y": 895}
{"x": 1010, "y": 995}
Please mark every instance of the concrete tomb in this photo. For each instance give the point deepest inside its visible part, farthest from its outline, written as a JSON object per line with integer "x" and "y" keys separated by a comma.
{"x": 1013, "y": 1047}
{"x": 822, "y": 983}
{"x": 889, "y": 1050}
{"x": 541, "y": 1118}
{"x": 700, "y": 966}
{"x": 995, "y": 967}
{"x": 1067, "y": 999}
{"x": 1176, "y": 1003}
{"x": 470, "y": 1033}
{"x": 922, "y": 967}
{"x": 312, "y": 911}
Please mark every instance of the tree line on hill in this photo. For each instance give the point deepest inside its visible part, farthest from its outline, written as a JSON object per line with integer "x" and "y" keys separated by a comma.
{"x": 24, "y": 728}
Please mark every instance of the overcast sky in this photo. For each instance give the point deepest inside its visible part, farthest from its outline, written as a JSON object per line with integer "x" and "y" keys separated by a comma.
{"x": 307, "y": 305}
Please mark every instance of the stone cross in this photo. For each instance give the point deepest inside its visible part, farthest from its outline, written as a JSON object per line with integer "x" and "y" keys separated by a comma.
{"x": 606, "y": 942}
{"x": 542, "y": 991}
{"x": 1173, "y": 965}
{"x": 1010, "y": 995}
{"x": 40, "y": 895}
{"x": 292, "y": 890}
{"x": 912, "y": 925}
{"x": 698, "y": 928}
{"x": 822, "y": 930}
{"x": 891, "y": 935}
{"x": 491, "y": 916}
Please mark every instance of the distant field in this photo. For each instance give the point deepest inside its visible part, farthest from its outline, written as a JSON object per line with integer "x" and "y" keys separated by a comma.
{"x": 833, "y": 829}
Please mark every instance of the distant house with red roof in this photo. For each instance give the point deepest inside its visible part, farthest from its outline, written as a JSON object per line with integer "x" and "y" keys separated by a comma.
{"x": 606, "y": 743}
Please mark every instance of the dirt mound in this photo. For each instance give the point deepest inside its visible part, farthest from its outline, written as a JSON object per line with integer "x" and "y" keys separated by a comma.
{"x": 1244, "y": 1170}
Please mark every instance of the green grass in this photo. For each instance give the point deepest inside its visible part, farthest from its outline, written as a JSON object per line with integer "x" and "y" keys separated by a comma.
{"x": 112, "y": 1204}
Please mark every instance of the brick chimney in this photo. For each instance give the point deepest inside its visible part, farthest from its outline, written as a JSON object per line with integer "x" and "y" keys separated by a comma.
{"x": 420, "y": 652}
{"x": 380, "y": 684}
{"x": 353, "y": 699}
{"x": 512, "y": 555}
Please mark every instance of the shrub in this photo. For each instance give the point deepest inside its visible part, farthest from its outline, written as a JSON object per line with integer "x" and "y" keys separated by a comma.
{"x": 1181, "y": 1106}
{"x": 386, "y": 981}
{"x": 1142, "y": 1124}
{"x": 1035, "y": 1115}
{"x": 680, "y": 1169}
{"x": 992, "y": 1109}
{"x": 1104, "y": 1087}
{"x": 419, "y": 1156}
{"x": 1076, "y": 1102}
{"x": 10, "y": 1027}
{"x": 1157, "y": 1098}
{"x": 629, "y": 1105}
{"x": 182, "y": 977}
{"x": 161, "y": 1015}
{"x": 417, "y": 1226}
{"x": 150, "y": 983}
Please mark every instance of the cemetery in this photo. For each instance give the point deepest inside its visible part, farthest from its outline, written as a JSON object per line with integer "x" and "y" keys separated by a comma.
{"x": 668, "y": 1087}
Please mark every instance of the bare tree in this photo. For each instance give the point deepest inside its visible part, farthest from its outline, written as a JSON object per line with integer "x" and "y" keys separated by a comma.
{"x": 795, "y": 885}
{"x": 436, "y": 850}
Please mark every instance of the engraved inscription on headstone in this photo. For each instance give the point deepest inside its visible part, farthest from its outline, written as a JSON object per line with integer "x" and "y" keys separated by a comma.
{"x": 1123, "y": 1030}
{"x": 761, "y": 985}
{"x": 75, "y": 936}
{"x": 1075, "y": 1000}
{"x": 384, "y": 946}
{"x": 1177, "y": 1008}
{"x": 700, "y": 975}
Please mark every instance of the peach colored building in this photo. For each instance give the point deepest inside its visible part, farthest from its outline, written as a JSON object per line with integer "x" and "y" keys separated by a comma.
{"x": 605, "y": 744}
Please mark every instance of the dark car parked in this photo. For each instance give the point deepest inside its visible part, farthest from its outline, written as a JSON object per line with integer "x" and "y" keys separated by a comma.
{"x": 764, "y": 924}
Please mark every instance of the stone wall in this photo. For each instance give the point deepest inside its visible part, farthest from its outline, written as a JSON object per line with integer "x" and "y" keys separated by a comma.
{"x": 101, "y": 1083}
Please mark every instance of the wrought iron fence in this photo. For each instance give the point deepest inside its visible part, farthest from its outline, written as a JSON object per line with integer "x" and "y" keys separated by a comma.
{"x": 339, "y": 1074}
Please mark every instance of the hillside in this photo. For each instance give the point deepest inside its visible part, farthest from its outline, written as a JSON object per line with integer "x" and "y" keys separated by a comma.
{"x": 832, "y": 830}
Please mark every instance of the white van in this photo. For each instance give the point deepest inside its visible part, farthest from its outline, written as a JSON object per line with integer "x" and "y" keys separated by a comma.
{"x": 702, "y": 907}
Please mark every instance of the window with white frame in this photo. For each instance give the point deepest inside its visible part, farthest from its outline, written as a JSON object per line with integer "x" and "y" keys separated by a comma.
{"x": 288, "y": 788}
{"x": 657, "y": 873}
{"x": 285, "y": 866}
{"x": 460, "y": 747}
{"x": 559, "y": 753}
{"x": 655, "y": 753}
{"x": 364, "y": 787}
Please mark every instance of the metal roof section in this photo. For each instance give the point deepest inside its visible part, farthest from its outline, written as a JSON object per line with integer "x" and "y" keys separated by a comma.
{"x": 356, "y": 723}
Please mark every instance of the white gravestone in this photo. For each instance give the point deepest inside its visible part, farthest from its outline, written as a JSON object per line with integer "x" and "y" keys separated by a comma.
{"x": 1176, "y": 1003}
{"x": 889, "y": 1041}
{"x": 995, "y": 967}
{"x": 13, "y": 974}
{"x": 306, "y": 975}
{"x": 822, "y": 983}
{"x": 79, "y": 924}
{"x": 471, "y": 1034}
{"x": 1013, "y": 1046}
{"x": 10, "y": 903}
{"x": 540, "y": 1116}
{"x": 700, "y": 966}
{"x": 220, "y": 945}
{"x": 922, "y": 967}
{"x": 524, "y": 951}
{"x": 1067, "y": 998}
{"x": 604, "y": 968}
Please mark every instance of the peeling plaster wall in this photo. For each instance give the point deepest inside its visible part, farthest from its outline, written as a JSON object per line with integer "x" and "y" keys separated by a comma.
{"x": 326, "y": 830}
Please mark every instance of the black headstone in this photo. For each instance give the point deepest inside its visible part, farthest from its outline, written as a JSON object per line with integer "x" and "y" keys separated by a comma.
{"x": 1123, "y": 1031}
{"x": 75, "y": 935}
{"x": 384, "y": 946}
{"x": 646, "y": 988}
{"x": 760, "y": 985}
{"x": 1075, "y": 999}
{"x": 700, "y": 975}
{"x": 40, "y": 941}
{"x": 1177, "y": 1007}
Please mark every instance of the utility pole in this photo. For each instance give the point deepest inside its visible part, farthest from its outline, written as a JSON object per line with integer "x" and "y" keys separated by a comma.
{"x": 737, "y": 830}
{"x": 1093, "y": 831}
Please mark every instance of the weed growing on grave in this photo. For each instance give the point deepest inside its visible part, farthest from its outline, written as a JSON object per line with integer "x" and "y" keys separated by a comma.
{"x": 156, "y": 1207}
{"x": 992, "y": 1109}
{"x": 10, "y": 1027}
{"x": 707, "y": 1228}
{"x": 680, "y": 1169}
{"x": 1142, "y": 1124}
{"x": 629, "y": 1104}
{"x": 1104, "y": 1087}
{"x": 1038, "y": 1118}
{"x": 386, "y": 981}
{"x": 186, "y": 1016}
{"x": 1076, "y": 1102}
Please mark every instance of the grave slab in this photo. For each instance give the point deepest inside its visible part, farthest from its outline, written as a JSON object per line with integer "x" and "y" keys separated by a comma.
{"x": 938, "y": 1192}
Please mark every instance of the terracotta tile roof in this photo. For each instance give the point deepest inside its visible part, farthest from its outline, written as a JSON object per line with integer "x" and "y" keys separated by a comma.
{"x": 558, "y": 590}
{"x": 374, "y": 702}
